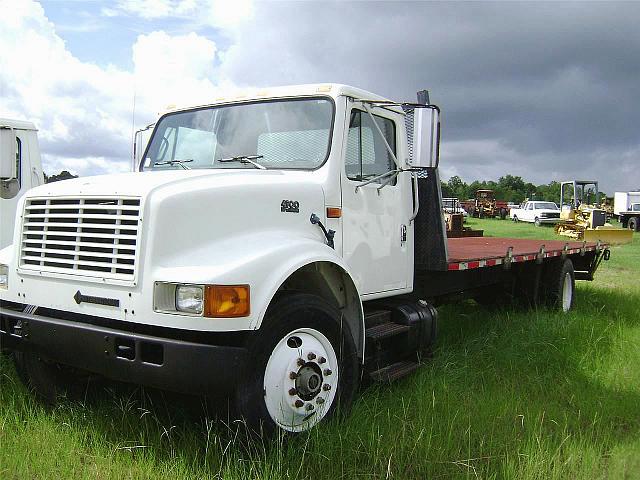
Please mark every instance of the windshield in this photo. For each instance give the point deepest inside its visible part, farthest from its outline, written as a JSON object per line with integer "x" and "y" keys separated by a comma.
{"x": 546, "y": 206}
{"x": 279, "y": 134}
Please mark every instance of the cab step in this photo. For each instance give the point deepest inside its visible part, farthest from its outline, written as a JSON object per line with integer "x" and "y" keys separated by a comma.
{"x": 385, "y": 330}
{"x": 393, "y": 372}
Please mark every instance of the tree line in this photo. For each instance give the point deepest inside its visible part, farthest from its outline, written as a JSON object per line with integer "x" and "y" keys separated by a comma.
{"x": 509, "y": 188}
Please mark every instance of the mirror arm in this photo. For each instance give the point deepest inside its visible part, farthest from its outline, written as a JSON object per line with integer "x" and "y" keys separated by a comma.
{"x": 378, "y": 177}
{"x": 386, "y": 144}
{"x": 389, "y": 179}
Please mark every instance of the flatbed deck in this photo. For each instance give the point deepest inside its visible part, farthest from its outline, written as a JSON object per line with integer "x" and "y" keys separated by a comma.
{"x": 479, "y": 252}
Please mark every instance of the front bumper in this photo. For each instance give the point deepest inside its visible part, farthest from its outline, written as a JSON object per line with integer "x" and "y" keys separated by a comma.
{"x": 156, "y": 361}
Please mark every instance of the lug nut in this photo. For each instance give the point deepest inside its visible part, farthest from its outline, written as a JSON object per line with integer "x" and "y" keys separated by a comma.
{"x": 327, "y": 372}
{"x": 298, "y": 404}
{"x": 309, "y": 407}
{"x": 292, "y": 391}
{"x": 319, "y": 400}
{"x": 322, "y": 360}
{"x": 311, "y": 356}
{"x": 326, "y": 387}
{"x": 300, "y": 362}
{"x": 293, "y": 375}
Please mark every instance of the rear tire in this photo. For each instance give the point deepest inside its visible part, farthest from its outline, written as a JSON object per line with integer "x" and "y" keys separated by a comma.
{"x": 503, "y": 213}
{"x": 515, "y": 218}
{"x": 537, "y": 222}
{"x": 304, "y": 366}
{"x": 559, "y": 285}
{"x": 634, "y": 224}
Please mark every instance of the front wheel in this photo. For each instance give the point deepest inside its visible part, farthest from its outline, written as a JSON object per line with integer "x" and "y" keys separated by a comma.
{"x": 503, "y": 213}
{"x": 634, "y": 224}
{"x": 537, "y": 222}
{"x": 515, "y": 218}
{"x": 302, "y": 365}
{"x": 48, "y": 380}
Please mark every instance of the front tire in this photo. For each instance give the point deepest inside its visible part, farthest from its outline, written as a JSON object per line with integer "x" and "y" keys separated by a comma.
{"x": 48, "y": 380}
{"x": 634, "y": 224}
{"x": 303, "y": 366}
{"x": 537, "y": 222}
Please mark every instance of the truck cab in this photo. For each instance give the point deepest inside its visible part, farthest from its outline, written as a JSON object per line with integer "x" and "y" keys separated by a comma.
{"x": 239, "y": 209}
{"x": 20, "y": 170}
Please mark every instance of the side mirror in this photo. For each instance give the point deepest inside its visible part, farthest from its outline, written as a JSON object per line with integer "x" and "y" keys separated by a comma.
{"x": 8, "y": 154}
{"x": 426, "y": 137}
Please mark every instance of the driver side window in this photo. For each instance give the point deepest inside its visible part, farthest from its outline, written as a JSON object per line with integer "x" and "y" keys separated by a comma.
{"x": 367, "y": 156}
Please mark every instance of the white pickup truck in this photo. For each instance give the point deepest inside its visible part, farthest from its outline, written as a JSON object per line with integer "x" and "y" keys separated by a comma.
{"x": 278, "y": 247}
{"x": 536, "y": 212}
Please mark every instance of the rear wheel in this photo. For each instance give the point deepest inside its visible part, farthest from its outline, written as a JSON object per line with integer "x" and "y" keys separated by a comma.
{"x": 559, "y": 285}
{"x": 303, "y": 365}
{"x": 503, "y": 213}
{"x": 634, "y": 224}
{"x": 537, "y": 222}
{"x": 515, "y": 218}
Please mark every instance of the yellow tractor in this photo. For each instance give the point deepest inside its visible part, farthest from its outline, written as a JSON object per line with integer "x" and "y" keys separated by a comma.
{"x": 583, "y": 218}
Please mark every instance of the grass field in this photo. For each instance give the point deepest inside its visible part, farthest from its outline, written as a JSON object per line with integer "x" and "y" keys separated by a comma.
{"x": 508, "y": 394}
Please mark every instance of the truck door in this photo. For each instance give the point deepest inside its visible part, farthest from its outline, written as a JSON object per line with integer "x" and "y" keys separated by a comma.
{"x": 375, "y": 220}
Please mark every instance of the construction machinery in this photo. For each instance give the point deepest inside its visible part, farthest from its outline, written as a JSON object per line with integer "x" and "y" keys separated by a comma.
{"x": 486, "y": 205}
{"x": 454, "y": 217}
{"x": 583, "y": 218}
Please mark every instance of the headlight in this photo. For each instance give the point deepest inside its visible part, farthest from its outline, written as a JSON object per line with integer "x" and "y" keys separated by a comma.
{"x": 4, "y": 276}
{"x": 213, "y": 301}
{"x": 190, "y": 299}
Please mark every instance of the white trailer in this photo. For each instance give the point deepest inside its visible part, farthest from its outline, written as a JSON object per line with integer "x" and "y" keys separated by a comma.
{"x": 20, "y": 170}
{"x": 279, "y": 246}
{"x": 626, "y": 208}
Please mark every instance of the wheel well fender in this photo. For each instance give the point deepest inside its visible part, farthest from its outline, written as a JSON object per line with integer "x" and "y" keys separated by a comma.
{"x": 335, "y": 285}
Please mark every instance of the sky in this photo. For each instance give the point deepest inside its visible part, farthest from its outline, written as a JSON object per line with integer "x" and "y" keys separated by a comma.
{"x": 547, "y": 91}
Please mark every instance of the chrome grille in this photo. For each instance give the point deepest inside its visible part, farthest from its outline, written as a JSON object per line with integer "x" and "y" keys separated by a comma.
{"x": 91, "y": 236}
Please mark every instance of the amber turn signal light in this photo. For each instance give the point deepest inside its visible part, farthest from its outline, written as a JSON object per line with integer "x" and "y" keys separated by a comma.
{"x": 227, "y": 301}
{"x": 334, "y": 212}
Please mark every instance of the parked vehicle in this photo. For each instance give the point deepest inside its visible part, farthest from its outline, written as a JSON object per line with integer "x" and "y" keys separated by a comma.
{"x": 20, "y": 170}
{"x": 536, "y": 212}
{"x": 279, "y": 247}
{"x": 486, "y": 205}
{"x": 583, "y": 218}
{"x": 626, "y": 209}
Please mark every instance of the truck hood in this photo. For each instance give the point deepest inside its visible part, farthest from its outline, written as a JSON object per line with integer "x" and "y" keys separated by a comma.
{"x": 141, "y": 184}
{"x": 214, "y": 216}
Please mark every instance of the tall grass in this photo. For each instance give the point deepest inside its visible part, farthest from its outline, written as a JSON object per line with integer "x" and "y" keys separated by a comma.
{"x": 508, "y": 394}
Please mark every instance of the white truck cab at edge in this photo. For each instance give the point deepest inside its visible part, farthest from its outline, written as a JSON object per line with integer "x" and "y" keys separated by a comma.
{"x": 20, "y": 170}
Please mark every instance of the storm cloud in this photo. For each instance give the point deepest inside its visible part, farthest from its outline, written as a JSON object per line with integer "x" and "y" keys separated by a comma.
{"x": 546, "y": 91}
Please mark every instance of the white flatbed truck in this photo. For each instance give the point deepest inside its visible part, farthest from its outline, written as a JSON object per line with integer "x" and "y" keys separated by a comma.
{"x": 20, "y": 170}
{"x": 282, "y": 247}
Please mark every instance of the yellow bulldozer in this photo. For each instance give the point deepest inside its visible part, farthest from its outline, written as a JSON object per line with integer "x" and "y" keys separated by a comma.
{"x": 583, "y": 218}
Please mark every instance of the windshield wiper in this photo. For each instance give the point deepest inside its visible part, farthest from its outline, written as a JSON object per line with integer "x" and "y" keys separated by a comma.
{"x": 175, "y": 162}
{"x": 245, "y": 159}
